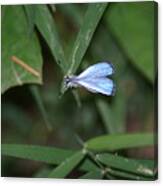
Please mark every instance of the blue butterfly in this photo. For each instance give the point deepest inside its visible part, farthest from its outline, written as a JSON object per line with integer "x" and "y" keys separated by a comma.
{"x": 94, "y": 79}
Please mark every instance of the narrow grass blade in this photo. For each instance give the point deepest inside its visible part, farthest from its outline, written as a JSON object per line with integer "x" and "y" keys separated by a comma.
{"x": 77, "y": 98}
{"x": 97, "y": 174}
{"x": 42, "y": 173}
{"x": 113, "y": 116}
{"x": 91, "y": 20}
{"x": 36, "y": 94}
{"x": 53, "y": 7}
{"x": 104, "y": 110}
{"x": 67, "y": 165}
{"x": 46, "y": 26}
{"x": 125, "y": 164}
{"x": 149, "y": 163}
{"x": 120, "y": 141}
{"x": 126, "y": 175}
{"x": 50, "y": 155}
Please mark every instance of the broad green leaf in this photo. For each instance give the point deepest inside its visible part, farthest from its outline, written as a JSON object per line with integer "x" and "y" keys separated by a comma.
{"x": 36, "y": 94}
{"x": 90, "y": 22}
{"x": 134, "y": 26}
{"x": 67, "y": 165}
{"x": 30, "y": 13}
{"x": 125, "y": 164}
{"x": 120, "y": 141}
{"x": 46, "y": 26}
{"x": 97, "y": 174}
{"x": 50, "y": 155}
{"x": 16, "y": 41}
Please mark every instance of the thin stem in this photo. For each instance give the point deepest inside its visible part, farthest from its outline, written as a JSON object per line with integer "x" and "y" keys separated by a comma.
{"x": 25, "y": 66}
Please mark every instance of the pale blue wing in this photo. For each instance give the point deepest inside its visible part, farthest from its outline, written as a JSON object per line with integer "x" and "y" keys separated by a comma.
{"x": 98, "y": 85}
{"x": 98, "y": 70}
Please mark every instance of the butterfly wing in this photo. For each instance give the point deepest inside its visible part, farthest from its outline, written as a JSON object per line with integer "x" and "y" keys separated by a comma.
{"x": 98, "y": 85}
{"x": 98, "y": 70}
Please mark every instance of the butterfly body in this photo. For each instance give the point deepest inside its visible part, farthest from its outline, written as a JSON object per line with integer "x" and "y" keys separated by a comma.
{"x": 94, "y": 79}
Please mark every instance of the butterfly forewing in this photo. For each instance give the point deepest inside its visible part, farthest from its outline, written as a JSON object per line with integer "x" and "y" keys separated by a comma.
{"x": 98, "y": 70}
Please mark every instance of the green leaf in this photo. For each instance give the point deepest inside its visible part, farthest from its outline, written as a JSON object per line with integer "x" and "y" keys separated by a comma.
{"x": 67, "y": 165}
{"x": 125, "y": 164}
{"x": 44, "y": 154}
{"x": 133, "y": 24}
{"x": 120, "y": 141}
{"x": 91, "y": 20}
{"x": 16, "y": 41}
{"x": 97, "y": 174}
{"x": 46, "y": 26}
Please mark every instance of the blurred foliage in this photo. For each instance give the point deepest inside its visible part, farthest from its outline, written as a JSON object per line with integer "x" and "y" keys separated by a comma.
{"x": 44, "y": 135}
{"x": 131, "y": 35}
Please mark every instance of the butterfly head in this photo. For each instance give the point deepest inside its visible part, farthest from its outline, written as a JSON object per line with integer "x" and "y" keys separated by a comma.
{"x": 69, "y": 81}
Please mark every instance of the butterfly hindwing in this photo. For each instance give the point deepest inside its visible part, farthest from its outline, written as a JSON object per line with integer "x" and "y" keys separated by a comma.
{"x": 98, "y": 85}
